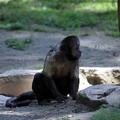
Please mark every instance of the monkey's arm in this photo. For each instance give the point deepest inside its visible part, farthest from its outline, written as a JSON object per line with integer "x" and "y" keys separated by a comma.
{"x": 74, "y": 85}
{"x": 74, "y": 88}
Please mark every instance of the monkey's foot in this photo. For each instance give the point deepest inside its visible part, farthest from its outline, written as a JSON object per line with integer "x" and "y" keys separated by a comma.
{"x": 44, "y": 102}
{"x": 61, "y": 98}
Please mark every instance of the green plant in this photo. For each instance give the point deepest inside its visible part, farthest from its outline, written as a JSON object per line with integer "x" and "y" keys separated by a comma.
{"x": 39, "y": 29}
{"x": 12, "y": 68}
{"x": 114, "y": 34}
{"x": 63, "y": 119}
{"x": 63, "y": 14}
{"x": 107, "y": 114}
{"x": 41, "y": 59}
{"x": 38, "y": 67}
{"x": 27, "y": 40}
{"x": 13, "y": 26}
{"x": 15, "y": 43}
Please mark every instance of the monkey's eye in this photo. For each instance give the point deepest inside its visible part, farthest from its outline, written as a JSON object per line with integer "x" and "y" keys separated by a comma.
{"x": 63, "y": 48}
{"x": 77, "y": 48}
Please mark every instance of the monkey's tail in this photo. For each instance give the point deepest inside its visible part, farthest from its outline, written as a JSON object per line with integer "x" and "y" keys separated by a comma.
{"x": 11, "y": 103}
{"x": 23, "y": 99}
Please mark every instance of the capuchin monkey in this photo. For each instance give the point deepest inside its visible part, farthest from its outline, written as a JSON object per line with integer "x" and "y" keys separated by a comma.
{"x": 60, "y": 76}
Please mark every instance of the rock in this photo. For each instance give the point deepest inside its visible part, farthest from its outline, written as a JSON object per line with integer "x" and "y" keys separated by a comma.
{"x": 15, "y": 82}
{"x": 3, "y": 99}
{"x": 96, "y": 95}
{"x": 114, "y": 98}
{"x": 97, "y": 75}
{"x": 83, "y": 82}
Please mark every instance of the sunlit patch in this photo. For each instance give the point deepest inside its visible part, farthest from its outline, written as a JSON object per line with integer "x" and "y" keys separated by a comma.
{"x": 4, "y": 1}
{"x": 12, "y": 112}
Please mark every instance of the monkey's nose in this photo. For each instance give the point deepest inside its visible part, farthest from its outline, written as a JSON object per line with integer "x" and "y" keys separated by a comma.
{"x": 81, "y": 53}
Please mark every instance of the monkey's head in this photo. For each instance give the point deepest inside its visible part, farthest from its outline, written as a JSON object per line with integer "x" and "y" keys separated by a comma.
{"x": 70, "y": 46}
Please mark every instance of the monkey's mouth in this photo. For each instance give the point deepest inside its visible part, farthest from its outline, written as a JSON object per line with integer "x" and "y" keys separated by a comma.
{"x": 72, "y": 58}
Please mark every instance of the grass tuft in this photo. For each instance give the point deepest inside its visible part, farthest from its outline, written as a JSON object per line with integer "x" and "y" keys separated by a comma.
{"x": 17, "y": 44}
{"x": 107, "y": 114}
{"x": 27, "y": 40}
{"x": 63, "y": 119}
{"x": 38, "y": 67}
{"x": 13, "y": 26}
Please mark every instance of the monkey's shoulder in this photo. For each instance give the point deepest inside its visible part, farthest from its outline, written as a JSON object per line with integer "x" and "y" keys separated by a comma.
{"x": 54, "y": 54}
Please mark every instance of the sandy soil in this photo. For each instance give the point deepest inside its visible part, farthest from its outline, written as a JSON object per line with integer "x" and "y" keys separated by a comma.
{"x": 98, "y": 50}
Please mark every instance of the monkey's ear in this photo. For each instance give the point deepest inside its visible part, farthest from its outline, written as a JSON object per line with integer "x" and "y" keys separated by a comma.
{"x": 63, "y": 48}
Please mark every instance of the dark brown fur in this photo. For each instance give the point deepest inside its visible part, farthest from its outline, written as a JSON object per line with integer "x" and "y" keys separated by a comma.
{"x": 60, "y": 75}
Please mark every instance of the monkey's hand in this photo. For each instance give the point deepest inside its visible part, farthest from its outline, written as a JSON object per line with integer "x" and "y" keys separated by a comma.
{"x": 58, "y": 96}
{"x": 74, "y": 97}
{"x": 61, "y": 98}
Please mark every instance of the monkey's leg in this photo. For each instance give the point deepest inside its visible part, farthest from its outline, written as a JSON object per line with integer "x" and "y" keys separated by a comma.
{"x": 53, "y": 89}
{"x": 43, "y": 95}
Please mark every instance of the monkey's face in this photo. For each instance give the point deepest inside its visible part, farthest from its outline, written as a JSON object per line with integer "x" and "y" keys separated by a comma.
{"x": 71, "y": 48}
{"x": 73, "y": 52}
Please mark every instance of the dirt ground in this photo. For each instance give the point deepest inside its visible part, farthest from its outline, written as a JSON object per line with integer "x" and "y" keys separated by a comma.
{"x": 54, "y": 111}
{"x": 98, "y": 50}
